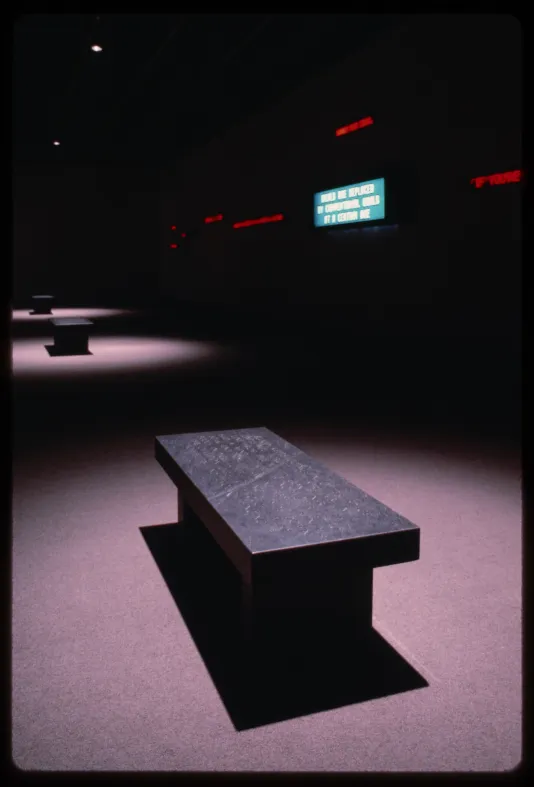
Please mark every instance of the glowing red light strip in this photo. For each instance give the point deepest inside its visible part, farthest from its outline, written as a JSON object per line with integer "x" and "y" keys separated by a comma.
{"x": 263, "y": 220}
{"x": 211, "y": 219}
{"x": 368, "y": 121}
{"x": 513, "y": 176}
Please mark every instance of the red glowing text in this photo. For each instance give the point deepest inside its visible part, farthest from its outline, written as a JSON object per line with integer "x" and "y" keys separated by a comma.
{"x": 499, "y": 179}
{"x": 368, "y": 121}
{"x": 263, "y": 220}
{"x": 211, "y": 219}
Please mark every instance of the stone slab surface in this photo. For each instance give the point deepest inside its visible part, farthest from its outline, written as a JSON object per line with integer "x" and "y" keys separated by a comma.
{"x": 271, "y": 494}
{"x": 59, "y": 322}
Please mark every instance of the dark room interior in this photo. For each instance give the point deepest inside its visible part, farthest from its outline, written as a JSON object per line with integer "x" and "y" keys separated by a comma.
{"x": 304, "y": 223}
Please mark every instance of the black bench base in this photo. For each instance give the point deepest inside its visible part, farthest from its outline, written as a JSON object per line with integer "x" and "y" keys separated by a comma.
{"x": 42, "y": 304}
{"x": 53, "y": 351}
{"x": 278, "y": 675}
{"x": 299, "y": 598}
{"x": 71, "y": 337}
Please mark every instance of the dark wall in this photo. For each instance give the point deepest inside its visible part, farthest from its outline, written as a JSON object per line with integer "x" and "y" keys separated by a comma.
{"x": 86, "y": 234}
{"x": 445, "y": 94}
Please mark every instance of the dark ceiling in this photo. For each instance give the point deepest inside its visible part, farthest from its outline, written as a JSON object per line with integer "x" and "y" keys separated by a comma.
{"x": 164, "y": 83}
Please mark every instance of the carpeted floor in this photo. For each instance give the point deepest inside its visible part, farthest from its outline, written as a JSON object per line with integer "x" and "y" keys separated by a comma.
{"x": 126, "y": 656}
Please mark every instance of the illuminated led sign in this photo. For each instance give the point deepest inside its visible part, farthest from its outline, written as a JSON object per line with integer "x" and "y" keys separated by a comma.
{"x": 263, "y": 220}
{"x": 499, "y": 179}
{"x": 211, "y": 219}
{"x": 364, "y": 201}
{"x": 368, "y": 121}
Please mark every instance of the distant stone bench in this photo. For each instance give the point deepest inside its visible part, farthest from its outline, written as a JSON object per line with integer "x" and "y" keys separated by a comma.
{"x": 304, "y": 540}
{"x": 71, "y": 335}
{"x": 42, "y": 304}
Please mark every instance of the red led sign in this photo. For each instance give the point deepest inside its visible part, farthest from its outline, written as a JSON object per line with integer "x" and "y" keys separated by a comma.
{"x": 368, "y": 121}
{"x": 263, "y": 220}
{"x": 211, "y": 219}
{"x": 500, "y": 178}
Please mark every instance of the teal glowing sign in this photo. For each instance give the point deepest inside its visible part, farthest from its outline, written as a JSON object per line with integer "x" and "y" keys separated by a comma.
{"x": 359, "y": 202}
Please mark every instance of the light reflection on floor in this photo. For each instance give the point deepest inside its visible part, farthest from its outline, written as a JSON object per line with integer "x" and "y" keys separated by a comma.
{"x": 89, "y": 596}
{"x": 110, "y": 354}
{"x": 23, "y": 315}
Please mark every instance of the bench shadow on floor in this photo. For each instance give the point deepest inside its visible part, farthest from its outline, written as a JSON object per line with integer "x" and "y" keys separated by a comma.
{"x": 53, "y": 351}
{"x": 290, "y": 674}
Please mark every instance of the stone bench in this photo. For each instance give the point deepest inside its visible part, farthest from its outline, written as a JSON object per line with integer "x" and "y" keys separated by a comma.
{"x": 71, "y": 335}
{"x": 42, "y": 304}
{"x": 304, "y": 540}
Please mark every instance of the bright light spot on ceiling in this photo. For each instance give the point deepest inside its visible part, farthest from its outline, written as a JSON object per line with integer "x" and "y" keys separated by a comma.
{"x": 56, "y": 142}
{"x": 96, "y": 48}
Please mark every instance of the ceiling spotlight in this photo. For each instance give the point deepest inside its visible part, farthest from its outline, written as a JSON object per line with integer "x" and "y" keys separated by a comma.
{"x": 55, "y": 142}
{"x": 96, "y": 48}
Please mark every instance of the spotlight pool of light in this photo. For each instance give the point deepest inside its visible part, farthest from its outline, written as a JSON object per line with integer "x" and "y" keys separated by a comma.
{"x": 23, "y": 315}
{"x": 96, "y": 48}
{"x": 112, "y": 356}
{"x": 56, "y": 143}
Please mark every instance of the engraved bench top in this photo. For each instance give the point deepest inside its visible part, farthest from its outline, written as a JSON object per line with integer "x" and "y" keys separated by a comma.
{"x": 271, "y": 494}
{"x": 61, "y": 321}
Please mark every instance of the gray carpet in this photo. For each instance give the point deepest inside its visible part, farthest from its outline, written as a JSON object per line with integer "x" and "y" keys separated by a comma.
{"x": 123, "y": 659}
